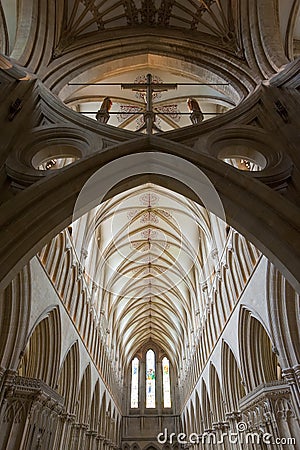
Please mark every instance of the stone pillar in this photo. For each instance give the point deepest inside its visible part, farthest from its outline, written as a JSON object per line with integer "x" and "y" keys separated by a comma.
{"x": 142, "y": 386}
{"x": 78, "y": 436}
{"x": 62, "y": 438}
{"x": 220, "y": 428}
{"x": 158, "y": 386}
{"x": 91, "y": 443}
{"x": 234, "y": 418}
{"x": 100, "y": 442}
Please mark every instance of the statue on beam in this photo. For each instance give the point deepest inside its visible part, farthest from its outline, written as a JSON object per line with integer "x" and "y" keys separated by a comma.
{"x": 103, "y": 113}
{"x": 196, "y": 113}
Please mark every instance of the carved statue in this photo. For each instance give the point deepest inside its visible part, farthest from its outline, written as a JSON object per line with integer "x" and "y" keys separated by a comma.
{"x": 103, "y": 113}
{"x": 196, "y": 113}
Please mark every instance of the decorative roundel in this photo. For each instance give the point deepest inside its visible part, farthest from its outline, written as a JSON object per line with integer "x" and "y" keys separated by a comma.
{"x": 246, "y": 148}
{"x": 242, "y": 156}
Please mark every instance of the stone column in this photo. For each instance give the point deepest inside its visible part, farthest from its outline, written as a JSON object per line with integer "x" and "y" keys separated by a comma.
{"x": 100, "y": 442}
{"x": 158, "y": 386}
{"x": 234, "y": 418}
{"x": 292, "y": 377}
{"x": 142, "y": 386}
{"x": 220, "y": 428}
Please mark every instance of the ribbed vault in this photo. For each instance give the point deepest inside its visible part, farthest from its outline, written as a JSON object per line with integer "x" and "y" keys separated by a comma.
{"x": 215, "y": 18}
{"x": 148, "y": 249}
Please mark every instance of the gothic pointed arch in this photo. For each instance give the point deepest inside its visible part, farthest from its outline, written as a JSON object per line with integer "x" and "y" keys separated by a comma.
{"x": 259, "y": 363}
{"x": 237, "y": 214}
{"x": 206, "y": 408}
{"x": 180, "y": 244}
{"x": 95, "y": 409}
{"x": 68, "y": 380}
{"x": 84, "y": 397}
{"x": 199, "y": 417}
{"x": 217, "y": 399}
{"x": 283, "y": 311}
{"x": 15, "y": 307}
{"x": 233, "y": 384}
{"x": 41, "y": 356}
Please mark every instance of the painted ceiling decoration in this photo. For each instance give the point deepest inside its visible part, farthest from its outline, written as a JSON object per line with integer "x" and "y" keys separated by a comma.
{"x": 83, "y": 18}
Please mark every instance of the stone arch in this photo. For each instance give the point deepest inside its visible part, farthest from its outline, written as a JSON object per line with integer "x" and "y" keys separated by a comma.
{"x": 231, "y": 379}
{"x": 242, "y": 206}
{"x": 206, "y": 408}
{"x": 41, "y": 356}
{"x": 216, "y": 394}
{"x": 151, "y": 446}
{"x": 259, "y": 363}
{"x": 191, "y": 418}
{"x": 68, "y": 379}
{"x": 63, "y": 70}
{"x": 198, "y": 410}
{"x": 283, "y": 312}
{"x": 84, "y": 397}
{"x": 15, "y": 307}
{"x": 108, "y": 415}
{"x": 95, "y": 408}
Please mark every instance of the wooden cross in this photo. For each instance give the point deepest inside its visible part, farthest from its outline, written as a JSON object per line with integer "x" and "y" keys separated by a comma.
{"x": 149, "y": 87}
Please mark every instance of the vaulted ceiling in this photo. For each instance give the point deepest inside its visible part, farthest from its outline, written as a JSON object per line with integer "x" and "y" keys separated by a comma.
{"x": 228, "y": 25}
{"x": 148, "y": 251}
{"x": 202, "y": 18}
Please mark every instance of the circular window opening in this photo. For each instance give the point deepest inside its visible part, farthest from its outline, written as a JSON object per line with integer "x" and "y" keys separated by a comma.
{"x": 55, "y": 157}
{"x": 242, "y": 157}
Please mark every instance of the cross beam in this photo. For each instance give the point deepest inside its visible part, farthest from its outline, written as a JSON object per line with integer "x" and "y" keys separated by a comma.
{"x": 149, "y": 87}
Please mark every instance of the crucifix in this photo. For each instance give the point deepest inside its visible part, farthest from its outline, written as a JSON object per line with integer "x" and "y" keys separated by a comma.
{"x": 149, "y": 87}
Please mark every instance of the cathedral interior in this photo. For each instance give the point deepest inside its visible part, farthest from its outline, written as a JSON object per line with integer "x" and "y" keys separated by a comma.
{"x": 149, "y": 224}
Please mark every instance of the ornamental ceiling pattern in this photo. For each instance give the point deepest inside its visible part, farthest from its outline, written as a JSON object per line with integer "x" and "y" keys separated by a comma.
{"x": 83, "y": 18}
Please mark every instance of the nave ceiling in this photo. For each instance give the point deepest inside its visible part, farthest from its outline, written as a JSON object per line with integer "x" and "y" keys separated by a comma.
{"x": 147, "y": 252}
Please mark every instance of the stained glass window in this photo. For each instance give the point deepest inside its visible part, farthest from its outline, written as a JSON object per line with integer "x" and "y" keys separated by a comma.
{"x": 135, "y": 384}
{"x": 166, "y": 383}
{"x": 150, "y": 379}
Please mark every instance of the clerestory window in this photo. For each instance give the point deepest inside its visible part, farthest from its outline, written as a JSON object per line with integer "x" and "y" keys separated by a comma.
{"x": 150, "y": 382}
{"x": 134, "y": 402}
{"x": 150, "y": 379}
